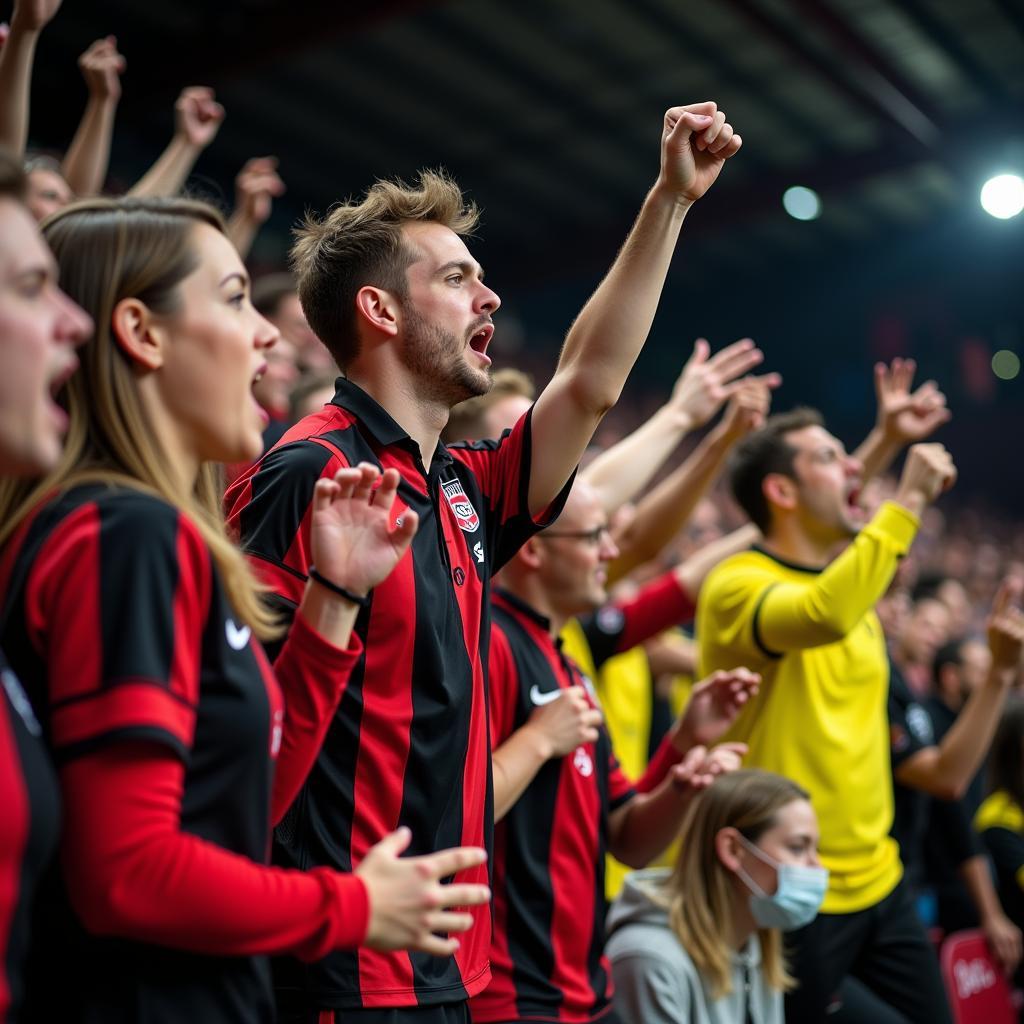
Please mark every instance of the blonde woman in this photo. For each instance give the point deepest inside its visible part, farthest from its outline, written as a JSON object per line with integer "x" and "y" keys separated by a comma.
{"x": 134, "y": 624}
{"x": 701, "y": 943}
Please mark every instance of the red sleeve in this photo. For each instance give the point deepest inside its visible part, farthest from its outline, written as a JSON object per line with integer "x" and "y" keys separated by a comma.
{"x": 116, "y": 602}
{"x": 503, "y": 684}
{"x": 659, "y": 766}
{"x": 312, "y": 674}
{"x": 620, "y": 789}
{"x": 622, "y": 625}
{"x": 502, "y": 472}
{"x": 269, "y": 511}
{"x": 131, "y": 871}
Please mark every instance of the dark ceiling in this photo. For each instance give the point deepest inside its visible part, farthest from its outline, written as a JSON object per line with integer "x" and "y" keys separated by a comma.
{"x": 549, "y": 113}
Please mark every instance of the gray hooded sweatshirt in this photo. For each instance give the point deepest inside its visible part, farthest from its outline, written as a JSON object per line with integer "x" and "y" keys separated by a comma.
{"x": 656, "y": 982}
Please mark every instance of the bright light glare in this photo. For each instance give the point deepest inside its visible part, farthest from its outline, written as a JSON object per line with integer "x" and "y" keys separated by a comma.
{"x": 1003, "y": 196}
{"x": 1006, "y": 364}
{"x": 801, "y": 203}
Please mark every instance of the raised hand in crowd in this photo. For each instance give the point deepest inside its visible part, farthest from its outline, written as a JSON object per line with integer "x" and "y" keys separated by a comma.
{"x": 197, "y": 119}
{"x": 409, "y": 905}
{"x": 706, "y": 382}
{"x": 904, "y": 416}
{"x": 1005, "y": 628}
{"x": 701, "y": 766}
{"x": 257, "y": 186}
{"x": 696, "y": 142}
{"x": 85, "y": 164}
{"x": 354, "y": 542}
{"x": 713, "y": 706}
{"x": 929, "y": 471}
{"x": 29, "y": 18}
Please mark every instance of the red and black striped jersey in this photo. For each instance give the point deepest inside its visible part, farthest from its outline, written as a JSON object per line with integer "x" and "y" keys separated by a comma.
{"x": 547, "y": 953}
{"x": 121, "y": 631}
{"x": 409, "y": 742}
{"x": 30, "y": 802}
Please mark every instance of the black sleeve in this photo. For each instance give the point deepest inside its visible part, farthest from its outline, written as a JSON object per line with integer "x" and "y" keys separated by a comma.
{"x": 950, "y": 823}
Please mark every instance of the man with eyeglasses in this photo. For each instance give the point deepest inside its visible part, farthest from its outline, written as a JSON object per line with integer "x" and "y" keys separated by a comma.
{"x": 560, "y": 797}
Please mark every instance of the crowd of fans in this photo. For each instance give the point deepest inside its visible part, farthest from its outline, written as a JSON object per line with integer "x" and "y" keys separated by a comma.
{"x": 732, "y": 735}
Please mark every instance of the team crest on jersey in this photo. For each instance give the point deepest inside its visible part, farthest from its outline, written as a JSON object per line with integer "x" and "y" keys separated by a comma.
{"x": 583, "y": 763}
{"x": 469, "y": 521}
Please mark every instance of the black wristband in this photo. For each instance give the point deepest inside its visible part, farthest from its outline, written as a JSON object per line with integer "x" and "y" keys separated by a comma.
{"x": 363, "y": 602}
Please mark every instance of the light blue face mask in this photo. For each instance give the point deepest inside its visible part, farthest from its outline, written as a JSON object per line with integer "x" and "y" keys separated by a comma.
{"x": 797, "y": 897}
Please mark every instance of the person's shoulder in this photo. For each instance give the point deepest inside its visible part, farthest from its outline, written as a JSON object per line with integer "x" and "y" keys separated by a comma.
{"x": 746, "y": 570}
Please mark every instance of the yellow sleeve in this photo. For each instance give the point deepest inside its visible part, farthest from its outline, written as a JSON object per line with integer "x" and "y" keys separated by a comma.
{"x": 825, "y": 608}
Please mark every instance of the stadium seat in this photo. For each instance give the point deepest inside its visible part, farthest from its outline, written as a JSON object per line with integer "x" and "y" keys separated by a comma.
{"x": 978, "y": 992}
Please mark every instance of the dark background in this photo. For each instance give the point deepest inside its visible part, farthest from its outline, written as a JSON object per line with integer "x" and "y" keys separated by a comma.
{"x": 549, "y": 114}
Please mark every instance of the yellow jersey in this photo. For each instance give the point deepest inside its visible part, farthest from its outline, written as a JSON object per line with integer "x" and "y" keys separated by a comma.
{"x": 820, "y": 716}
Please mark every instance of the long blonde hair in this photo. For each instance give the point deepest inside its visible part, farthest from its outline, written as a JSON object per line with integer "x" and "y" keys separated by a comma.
{"x": 109, "y": 250}
{"x": 700, "y": 891}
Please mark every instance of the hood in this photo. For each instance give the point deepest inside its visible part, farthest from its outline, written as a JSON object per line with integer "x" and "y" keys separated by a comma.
{"x": 638, "y": 902}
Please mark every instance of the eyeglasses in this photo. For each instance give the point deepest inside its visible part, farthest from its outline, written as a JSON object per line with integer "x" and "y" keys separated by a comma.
{"x": 592, "y": 537}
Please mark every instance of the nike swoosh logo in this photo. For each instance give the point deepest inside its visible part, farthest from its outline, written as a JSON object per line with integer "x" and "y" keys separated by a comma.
{"x": 237, "y": 638}
{"x": 538, "y": 696}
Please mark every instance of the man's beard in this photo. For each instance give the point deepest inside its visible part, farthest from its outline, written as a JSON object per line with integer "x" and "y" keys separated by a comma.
{"x": 435, "y": 357}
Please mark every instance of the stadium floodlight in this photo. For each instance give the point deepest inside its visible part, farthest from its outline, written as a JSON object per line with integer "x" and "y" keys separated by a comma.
{"x": 1003, "y": 196}
{"x": 801, "y": 203}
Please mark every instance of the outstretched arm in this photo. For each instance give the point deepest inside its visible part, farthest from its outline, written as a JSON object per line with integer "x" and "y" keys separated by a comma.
{"x": 198, "y": 118}
{"x": 624, "y": 470}
{"x": 606, "y": 338}
{"x": 256, "y": 187}
{"x": 666, "y": 510}
{"x": 87, "y": 158}
{"x": 946, "y": 770}
{"x": 30, "y": 17}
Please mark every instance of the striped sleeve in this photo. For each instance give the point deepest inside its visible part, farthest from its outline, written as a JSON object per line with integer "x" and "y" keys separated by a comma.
{"x": 116, "y": 600}
{"x": 269, "y": 510}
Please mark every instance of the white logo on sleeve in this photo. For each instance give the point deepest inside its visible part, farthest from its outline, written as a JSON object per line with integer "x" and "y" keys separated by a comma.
{"x": 237, "y": 636}
{"x": 478, "y": 551}
{"x": 539, "y": 697}
{"x": 582, "y": 762}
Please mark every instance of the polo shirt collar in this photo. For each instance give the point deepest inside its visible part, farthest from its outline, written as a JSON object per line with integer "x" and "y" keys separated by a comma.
{"x": 377, "y": 420}
{"x": 519, "y": 605}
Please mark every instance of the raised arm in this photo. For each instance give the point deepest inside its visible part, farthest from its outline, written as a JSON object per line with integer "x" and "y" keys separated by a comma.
{"x": 85, "y": 164}
{"x": 946, "y": 770}
{"x": 624, "y": 470}
{"x": 826, "y": 607}
{"x": 666, "y": 510}
{"x": 198, "y": 117}
{"x": 29, "y": 18}
{"x": 904, "y": 416}
{"x": 256, "y": 187}
{"x": 606, "y": 338}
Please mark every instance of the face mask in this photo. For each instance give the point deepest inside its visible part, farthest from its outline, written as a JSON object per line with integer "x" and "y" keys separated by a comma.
{"x": 796, "y": 899}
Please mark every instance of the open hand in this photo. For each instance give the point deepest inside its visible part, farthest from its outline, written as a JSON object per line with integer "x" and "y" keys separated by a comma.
{"x": 714, "y": 704}
{"x": 198, "y": 116}
{"x": 906, "y": 416}
{"x": 353, "y": 541}
{"x": 102, "y": 66}
{"x": 1006, "y": 626}
{"x": 708, "y": 381}
{"x": 408, "y": 903}
{"x": 696, "y": 140}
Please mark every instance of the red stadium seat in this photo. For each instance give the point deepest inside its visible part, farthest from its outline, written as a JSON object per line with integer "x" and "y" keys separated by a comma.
{"x": 978, "y": 992}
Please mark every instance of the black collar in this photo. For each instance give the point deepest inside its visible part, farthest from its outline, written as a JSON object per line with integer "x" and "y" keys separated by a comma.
{"x": 378, "y": 421}
{"x": 519, "y": 605}
{"x": 789, "y": 565}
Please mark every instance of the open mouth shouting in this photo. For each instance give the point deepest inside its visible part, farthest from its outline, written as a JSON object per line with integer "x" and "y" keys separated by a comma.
{"x": 480, "y": 339}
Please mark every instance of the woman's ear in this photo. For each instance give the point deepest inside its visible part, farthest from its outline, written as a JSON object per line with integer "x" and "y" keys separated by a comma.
{"x": 137, "y": 336}
{"x": 727, "y": 847}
